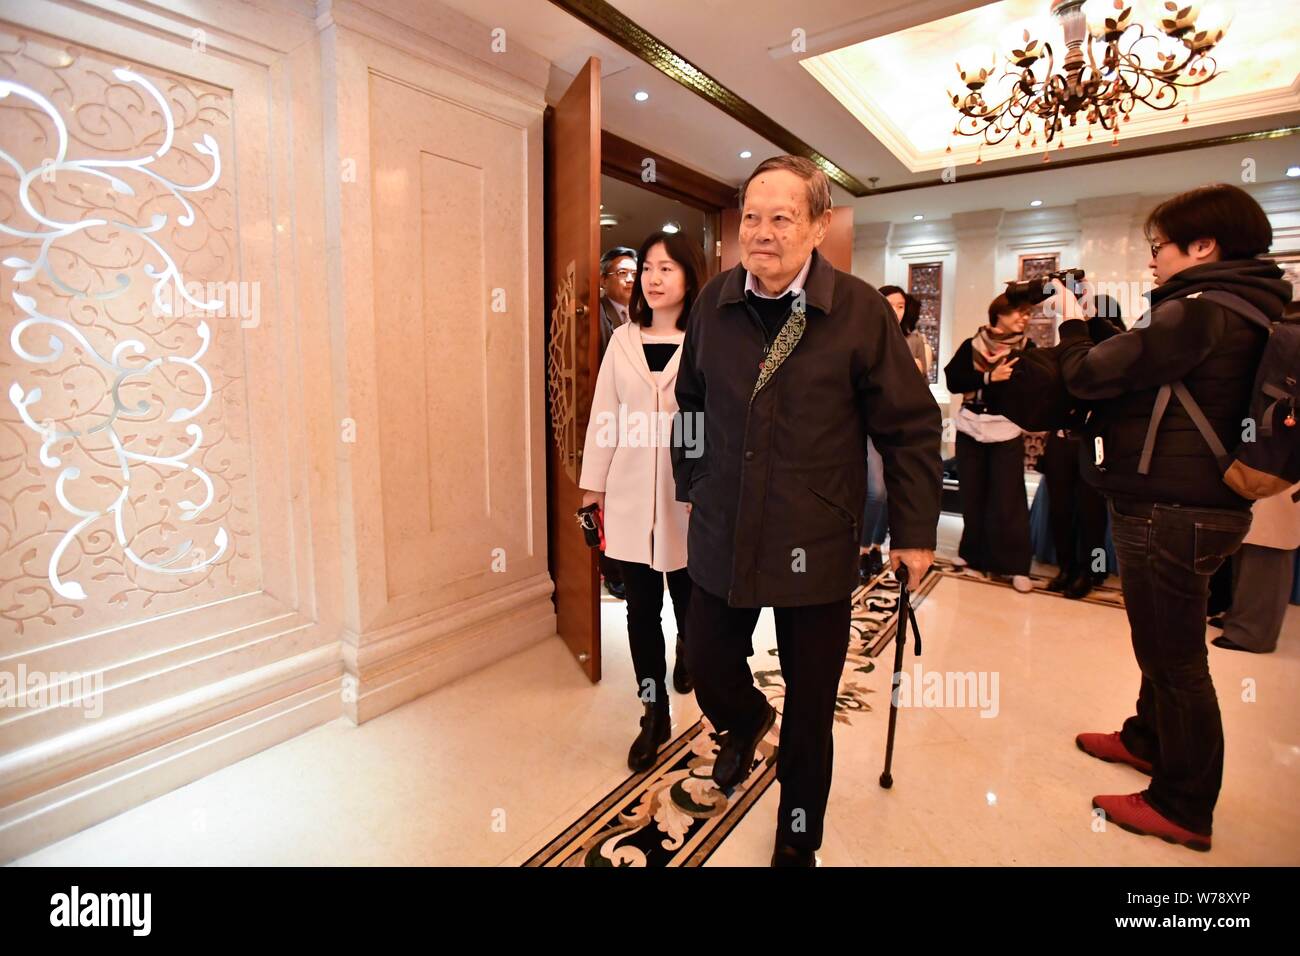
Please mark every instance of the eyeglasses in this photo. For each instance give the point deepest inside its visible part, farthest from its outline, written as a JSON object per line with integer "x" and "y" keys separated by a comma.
{"x": 1157, "y": 246}
{"x": 625, "y": 274}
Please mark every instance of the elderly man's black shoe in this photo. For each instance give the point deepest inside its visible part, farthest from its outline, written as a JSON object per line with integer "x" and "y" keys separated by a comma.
{"x": 736, "y": 752}
{"x": 793, "y": 856}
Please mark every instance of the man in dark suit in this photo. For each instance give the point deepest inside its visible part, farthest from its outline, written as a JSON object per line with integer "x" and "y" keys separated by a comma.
{"x": 617, "y": 275}
{"x": 790, "y": 365}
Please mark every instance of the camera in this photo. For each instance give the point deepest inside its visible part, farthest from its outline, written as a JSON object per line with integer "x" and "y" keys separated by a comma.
{"x": 1031, "y": 292}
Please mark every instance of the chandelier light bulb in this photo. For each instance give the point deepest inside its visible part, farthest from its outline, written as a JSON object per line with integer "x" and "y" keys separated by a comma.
{"x": 1214, "y": 17}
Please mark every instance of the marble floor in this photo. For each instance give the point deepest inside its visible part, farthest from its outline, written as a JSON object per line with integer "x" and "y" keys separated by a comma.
{"x": 485, "y": 771}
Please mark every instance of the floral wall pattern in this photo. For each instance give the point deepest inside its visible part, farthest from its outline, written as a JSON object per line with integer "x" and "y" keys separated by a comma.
{"x": 124, "y": 461}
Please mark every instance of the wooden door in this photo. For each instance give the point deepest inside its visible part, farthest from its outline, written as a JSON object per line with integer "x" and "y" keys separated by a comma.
{"x": 572, "y": 173}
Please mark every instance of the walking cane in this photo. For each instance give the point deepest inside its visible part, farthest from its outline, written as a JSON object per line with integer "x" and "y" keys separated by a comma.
{"x": 900, "y": 644}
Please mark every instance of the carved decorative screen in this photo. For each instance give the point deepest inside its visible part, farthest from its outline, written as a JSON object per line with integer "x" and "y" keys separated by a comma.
{"x": 1041, "y": 328}
{"x": 925, "y": 281}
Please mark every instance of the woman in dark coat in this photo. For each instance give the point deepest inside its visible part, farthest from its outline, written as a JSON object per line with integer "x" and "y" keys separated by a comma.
{"x": 991, "y": 450}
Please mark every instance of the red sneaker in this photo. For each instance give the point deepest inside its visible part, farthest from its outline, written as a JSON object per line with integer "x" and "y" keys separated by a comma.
{"x": 1110, "y": 748}
{"x": 1131, "y": 812}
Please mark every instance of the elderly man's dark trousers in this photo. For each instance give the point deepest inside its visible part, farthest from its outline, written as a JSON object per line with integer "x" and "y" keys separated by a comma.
{"x": 812, "y": 642}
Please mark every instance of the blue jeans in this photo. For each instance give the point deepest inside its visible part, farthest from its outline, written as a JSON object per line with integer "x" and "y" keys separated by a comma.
{"x": 1167, "y": 554}
{"x": 875, "y": 517}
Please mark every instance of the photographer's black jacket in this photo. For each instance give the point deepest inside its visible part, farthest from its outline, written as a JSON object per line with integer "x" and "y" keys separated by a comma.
{"x": 777, "y": 496}
{"x": 1214, "y": 351}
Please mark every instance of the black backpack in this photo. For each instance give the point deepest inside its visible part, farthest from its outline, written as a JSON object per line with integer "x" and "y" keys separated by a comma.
{"x": 1270, "y": 463}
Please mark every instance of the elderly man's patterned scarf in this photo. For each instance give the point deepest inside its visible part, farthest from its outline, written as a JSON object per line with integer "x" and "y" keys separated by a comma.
{"x": 784, "y": 343}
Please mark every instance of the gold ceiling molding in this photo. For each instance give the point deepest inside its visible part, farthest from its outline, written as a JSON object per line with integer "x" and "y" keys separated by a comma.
{"x": 1106, "y": 157}
{"x": 608, "y": 21}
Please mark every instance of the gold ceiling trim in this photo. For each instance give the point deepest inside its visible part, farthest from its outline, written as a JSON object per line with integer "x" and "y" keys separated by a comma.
{"x": 608, "y": 21}
{"x": 1140, "y": 153}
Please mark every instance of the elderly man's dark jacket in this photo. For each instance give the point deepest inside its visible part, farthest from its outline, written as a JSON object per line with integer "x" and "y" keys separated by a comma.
{"x": 778, "y": 493}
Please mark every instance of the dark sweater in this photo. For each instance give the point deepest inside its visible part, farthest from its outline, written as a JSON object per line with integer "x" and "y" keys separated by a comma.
{"x": 771, "y": 312}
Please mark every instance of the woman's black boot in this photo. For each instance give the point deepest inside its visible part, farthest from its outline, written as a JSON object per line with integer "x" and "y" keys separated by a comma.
{"x": 656, "y": 728}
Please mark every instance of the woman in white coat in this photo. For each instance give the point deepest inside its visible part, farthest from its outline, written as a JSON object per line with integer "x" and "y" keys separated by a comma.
{"x": 627, "y": 470}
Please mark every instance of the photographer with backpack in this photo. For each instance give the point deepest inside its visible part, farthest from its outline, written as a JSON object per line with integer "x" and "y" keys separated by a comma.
{"x": 1168, "y": 396}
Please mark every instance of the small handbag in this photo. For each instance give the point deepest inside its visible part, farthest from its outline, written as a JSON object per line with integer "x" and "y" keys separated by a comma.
{"x": 593, "y": 525}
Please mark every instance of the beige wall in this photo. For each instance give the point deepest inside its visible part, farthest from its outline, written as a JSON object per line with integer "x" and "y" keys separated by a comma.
{"x": 372, "y": 431}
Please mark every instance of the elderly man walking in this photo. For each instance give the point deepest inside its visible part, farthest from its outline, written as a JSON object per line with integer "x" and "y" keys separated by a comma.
{"x": 789, "y": 365}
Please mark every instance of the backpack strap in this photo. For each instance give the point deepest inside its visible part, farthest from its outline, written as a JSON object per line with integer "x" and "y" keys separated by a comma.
{"x": 1251, "y": 313}
{"x": 1235, "y": 303}
{"x": 1157, "y": 413}
{"x": 1193, "y": 412}
{"x": 1202, "y": 424}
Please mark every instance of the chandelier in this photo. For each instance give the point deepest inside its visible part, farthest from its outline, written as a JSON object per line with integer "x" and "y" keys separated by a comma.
{"x": 1110, "y": 65}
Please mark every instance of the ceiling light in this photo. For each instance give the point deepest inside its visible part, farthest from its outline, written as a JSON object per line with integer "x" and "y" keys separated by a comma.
{"x": 671, "y": 227}
{"x": 1036, "y": 203}
{"x": 917, "y": 218}
{"x": 641, "y": 96}
{"x": 1293, "y": 172}
{"x": 745, "y": 154}
{"x": 1107, "y": 65}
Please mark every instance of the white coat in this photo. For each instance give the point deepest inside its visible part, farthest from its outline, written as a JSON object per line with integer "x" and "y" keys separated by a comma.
{"x": 628, "y": 455}
{"x": 1275, "y": 522}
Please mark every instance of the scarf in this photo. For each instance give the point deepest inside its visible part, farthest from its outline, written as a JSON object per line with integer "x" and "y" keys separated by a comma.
{"x": 784, "y": 343}
{"x": 990, "y": 346}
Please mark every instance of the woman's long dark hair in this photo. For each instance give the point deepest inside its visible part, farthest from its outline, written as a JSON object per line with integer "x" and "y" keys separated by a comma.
{"x": 688, "y": 254}
{"x": 911, "y": 307}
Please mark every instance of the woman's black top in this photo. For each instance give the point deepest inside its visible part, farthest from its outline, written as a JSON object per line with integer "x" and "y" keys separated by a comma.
{"x": 659, "y": 354}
